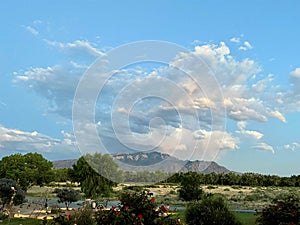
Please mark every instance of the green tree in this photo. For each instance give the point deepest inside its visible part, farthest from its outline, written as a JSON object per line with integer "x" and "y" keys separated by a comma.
{"x": 26, "y": 170}
{"x": 93, "y": 171}
{"x": 10, "y": 192}
{"x": 67, "y": 196}
{"x": 61, "y": 175}
{"x": 190, "y": 187}
{"x": 210, "y": 210}
{"x": 39, "y": 169}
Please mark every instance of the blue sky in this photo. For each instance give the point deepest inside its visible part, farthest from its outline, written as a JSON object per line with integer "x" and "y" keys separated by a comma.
{"x": 252, "y": 47}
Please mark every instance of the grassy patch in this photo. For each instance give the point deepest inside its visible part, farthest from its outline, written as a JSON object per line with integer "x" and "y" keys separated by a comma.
{"x": 246, "y": 218}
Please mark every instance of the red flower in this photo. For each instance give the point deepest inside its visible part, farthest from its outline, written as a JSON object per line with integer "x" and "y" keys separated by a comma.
{"x": 152, "y": 200}
{"x": 113, "y": 208}
{"x": 126, "y": 207}
{"x": 163, "y": 208}
{"x": 294, "y": 212}
{"x": 140, "y": 216}
{"x": 117, "y": 213}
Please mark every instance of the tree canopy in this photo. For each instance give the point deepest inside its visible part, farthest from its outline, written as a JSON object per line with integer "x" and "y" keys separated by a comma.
{"x": 93, "y": 171}
{"x": 27, "y": 170}
{"x": 190, "y": 187}
{"x": 67, "y": 196}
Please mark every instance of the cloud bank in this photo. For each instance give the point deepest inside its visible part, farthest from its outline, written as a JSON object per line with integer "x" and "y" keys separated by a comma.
{"x": 189, "y": 121}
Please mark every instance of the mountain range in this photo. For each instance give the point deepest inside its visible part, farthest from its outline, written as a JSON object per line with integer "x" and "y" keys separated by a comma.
{"x": 154, "y": 161}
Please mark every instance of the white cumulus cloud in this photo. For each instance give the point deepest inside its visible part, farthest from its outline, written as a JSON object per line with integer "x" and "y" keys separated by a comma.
{"x": 77, "y": 45}
{"x": 31, "y": 30}
{"x": 191, "y": 106}
{"x": 265, "y": 147}
{"x": 250, "y": 133}
{"x": 296, "y": 73}
{"x": 278, "y": 115}
{"x": 293, "y": 146}
{"x": 235, "y": 39}
{"x": 246, "y": 46}
{"x": 12, "y": 140}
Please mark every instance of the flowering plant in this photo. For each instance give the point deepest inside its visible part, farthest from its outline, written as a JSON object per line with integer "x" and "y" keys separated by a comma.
{"x": 284, "y": 211}
{"x": 135, "y": 208}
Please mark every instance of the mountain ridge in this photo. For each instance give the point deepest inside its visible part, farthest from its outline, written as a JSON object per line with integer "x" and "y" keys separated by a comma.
{"x": 154, "y": 161}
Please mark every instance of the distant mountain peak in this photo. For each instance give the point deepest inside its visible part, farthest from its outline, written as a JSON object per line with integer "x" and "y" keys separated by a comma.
{"x": 154, "y": 161}
{"x": 141, "y": 158}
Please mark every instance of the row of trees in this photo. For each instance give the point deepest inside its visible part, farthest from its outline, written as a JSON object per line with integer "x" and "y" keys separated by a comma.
{"x": 33, "y": 169}
{"x": 245, "y": 179}
{"x": 19, "y": 172}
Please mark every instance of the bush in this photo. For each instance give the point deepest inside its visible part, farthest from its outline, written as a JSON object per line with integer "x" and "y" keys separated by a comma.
{"x": 172, "y": 192}
{"x": 190, "y": 187}
{"x": 67, "y": 196}
{"x": 84, "y": 217}
{"x": 283, "y": 211}
{"x": 56, "y": 190}
{"x": 210, "y": 210}
{"x": 133, "y": 188}
{"x": 253, "y": 197}
{"x": 135, "y": 208}
{"x": 10, "y": 191}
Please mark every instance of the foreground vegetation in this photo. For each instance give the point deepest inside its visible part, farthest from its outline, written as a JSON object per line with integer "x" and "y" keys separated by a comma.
{"x": 169, "y": 195}
{"x": 141, "y": 208}
{"x": 207, "y": 199}
{"x": 244, "y": 218}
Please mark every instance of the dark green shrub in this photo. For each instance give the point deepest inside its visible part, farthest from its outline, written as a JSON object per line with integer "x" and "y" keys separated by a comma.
{"x": 172, "y": 192}
{"x": 283, "y": 211}
{"x": 56, "y": 190}
{"x": 253, "y": 197}
{"x": 133, "y": 188}
{"x": 210, "y": 210}
{"x": 190, "y": 187}
{"x": 10, "y": 190}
